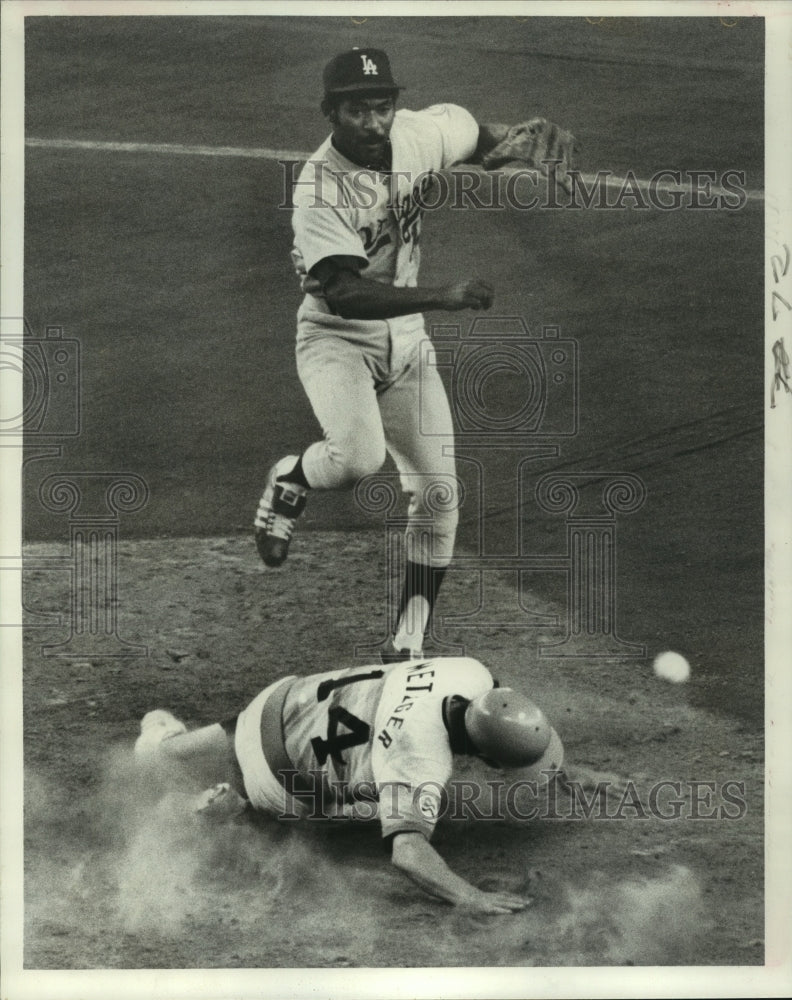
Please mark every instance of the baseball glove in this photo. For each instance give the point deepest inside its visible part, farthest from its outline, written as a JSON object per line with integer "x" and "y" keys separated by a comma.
{"x": 539, "y": 144}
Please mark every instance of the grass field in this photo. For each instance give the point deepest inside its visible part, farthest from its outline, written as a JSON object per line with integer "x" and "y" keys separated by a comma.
{"x": 172, "y": 272}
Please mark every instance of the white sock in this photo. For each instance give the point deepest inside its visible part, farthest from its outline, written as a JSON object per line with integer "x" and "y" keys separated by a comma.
{"x": 412, "y": 624}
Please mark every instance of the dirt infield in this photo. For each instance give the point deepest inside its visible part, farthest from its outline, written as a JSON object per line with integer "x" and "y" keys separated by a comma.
{"x": 114, "y": 881}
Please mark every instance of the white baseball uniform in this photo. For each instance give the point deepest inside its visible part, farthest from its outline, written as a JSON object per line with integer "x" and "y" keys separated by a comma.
{"x": 362, "y": 376}
{"x": 370, "y": 733}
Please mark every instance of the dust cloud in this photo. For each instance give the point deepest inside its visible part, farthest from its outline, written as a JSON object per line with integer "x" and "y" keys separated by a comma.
{"x": 125, "y": 863}
{"x": 655, "y": 920}
{"x": 123, "y": 876}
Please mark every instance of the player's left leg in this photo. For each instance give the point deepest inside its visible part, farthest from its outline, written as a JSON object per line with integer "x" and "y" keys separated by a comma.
{"x": 419, "y": 432}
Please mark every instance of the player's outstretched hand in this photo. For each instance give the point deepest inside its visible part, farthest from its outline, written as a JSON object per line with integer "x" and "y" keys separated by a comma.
{"x": 493, "y": 903}
{"x": 470, "y": 294}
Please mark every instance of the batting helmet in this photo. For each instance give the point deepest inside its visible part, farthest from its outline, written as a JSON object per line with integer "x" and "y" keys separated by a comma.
{"x": 509, "y": 728}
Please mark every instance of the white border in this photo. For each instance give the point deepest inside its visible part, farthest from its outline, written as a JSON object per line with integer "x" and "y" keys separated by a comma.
{"x": 778, "y": 501}
{"x": 773, "y": 980}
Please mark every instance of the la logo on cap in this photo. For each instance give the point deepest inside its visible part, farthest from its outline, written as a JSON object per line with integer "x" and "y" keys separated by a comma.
{"x": 369, "y": 66}
{"x": 359, "y": 70}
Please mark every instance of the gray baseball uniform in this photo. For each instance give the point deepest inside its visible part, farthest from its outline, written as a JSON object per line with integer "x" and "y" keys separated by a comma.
{"x": 363, "y": 377}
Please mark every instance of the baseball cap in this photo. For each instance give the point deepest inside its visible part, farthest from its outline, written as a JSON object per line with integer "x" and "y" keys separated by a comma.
{"x": 358, "y": 70}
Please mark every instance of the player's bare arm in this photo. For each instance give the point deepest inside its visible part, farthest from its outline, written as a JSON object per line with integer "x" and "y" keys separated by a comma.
{"x": 352, "y": 296}
{"x": 414, "y": 856}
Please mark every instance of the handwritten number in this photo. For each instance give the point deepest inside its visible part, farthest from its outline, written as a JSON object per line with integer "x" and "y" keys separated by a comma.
{"x": 775, "y": 258}
{"x": 781, "y": 297}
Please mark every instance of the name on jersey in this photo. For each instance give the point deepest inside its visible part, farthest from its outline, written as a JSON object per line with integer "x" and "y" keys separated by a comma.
{"x": 419, "y": 682}
{"x": 410, "y": 208}
{"x": 407, "y": 212}
{"x": 374, "y": 239}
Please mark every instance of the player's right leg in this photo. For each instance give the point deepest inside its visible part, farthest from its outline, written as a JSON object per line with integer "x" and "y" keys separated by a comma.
{"x": 176, "y": 758}
{"x": 341, "y": 389}
{"x": 281, "y": 503}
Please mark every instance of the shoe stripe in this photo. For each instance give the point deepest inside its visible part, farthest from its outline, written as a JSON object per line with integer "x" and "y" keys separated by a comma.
{"x": 279, "y": 507}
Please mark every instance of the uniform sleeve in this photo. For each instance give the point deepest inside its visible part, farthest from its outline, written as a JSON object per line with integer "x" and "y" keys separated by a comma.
{"x": 322, "y": 219}
{"x": 413, "y": 772}
{"x": 459, "y": 132}
{"x": 323, "y": 230}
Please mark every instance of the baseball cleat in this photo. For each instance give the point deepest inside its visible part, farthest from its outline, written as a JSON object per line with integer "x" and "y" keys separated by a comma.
{"x": 155, "y": 727}
{"x": 280, "y": 506}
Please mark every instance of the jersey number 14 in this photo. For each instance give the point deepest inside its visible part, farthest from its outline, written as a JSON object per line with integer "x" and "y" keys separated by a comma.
{"x": 358, "y": 731}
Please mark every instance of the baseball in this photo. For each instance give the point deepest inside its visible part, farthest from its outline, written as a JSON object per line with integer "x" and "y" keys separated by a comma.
{"x": 672, "y": 667}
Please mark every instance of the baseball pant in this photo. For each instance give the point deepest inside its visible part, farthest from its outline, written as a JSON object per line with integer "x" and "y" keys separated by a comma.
{"x": 371, "y": 393}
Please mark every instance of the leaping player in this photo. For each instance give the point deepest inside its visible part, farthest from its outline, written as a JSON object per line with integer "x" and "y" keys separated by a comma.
{"x": 357, "y": 224}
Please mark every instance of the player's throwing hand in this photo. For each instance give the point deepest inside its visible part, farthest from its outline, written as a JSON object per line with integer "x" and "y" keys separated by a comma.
{"x": 469, "y": 294}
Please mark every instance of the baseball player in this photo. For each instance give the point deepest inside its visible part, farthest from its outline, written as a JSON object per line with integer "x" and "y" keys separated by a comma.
{"x": 380, "y": 739}
{"x": 357, "y": 226}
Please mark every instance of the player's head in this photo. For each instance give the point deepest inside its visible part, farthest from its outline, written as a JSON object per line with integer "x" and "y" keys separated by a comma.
{"x": 359, "y": 73}
{"x": 505, "y": 728}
